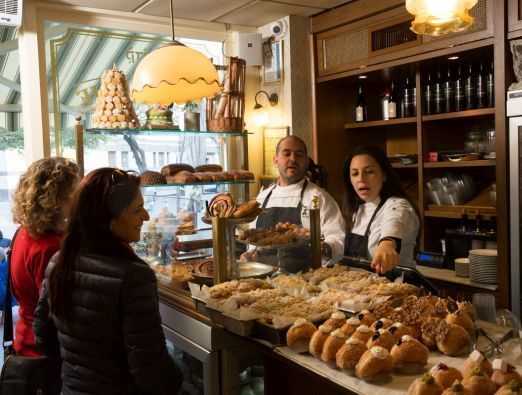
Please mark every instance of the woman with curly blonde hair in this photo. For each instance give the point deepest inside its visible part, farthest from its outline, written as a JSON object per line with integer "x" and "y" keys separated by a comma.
{"x": 40, "y": 205}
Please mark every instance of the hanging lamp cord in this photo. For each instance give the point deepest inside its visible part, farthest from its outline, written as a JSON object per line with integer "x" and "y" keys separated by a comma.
{"x": 172, "y": 19}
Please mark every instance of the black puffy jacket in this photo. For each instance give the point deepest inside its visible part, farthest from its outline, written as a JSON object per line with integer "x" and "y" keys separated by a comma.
{"x": 113, "y": 342}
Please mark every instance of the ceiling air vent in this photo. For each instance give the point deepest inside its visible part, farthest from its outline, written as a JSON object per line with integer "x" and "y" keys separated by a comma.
{"x": 391, "y": 36}
{"x": 11, "y": 12}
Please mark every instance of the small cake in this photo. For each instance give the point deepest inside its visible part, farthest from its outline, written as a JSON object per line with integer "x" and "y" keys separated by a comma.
{"x": 375, "y": 364}
{"x": 317, "y": 340}
{"x": 362, "y": 333}
{"x": 366, "y": 317}
{"x": 383, "y": 323}
{"x": 476, "y": 360}
{"x": 409, "y": 355}
{"x": 504, "y": 373}
{"x": 453, "y": 340}
{"x": 479, "y": 384}
{"x": 349, "y": 354}
{"x": 456, "y": 389}
{"x": 299, "y": 334}
{"x": 425, "y": 385}
{"x": 461, "y": 318}
{"x": 399, "y": 330}
{"x": 512, "y": 388}
{"x": 381, "y": 338}
{"x": 332, "y": 344}
{"x": 351, "y": 325}
{"x": 445, "y": 375}
{"x": 336, "y": 320}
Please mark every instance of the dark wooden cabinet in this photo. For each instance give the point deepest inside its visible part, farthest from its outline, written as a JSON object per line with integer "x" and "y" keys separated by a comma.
{"x": 515, "y": 18}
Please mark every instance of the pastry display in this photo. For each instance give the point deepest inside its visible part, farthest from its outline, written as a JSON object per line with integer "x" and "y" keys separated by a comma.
{"x": 222, "y": 205}
{"x": 512, "y": 388}
{"x": 476, "y": 361}
{"x": 362, "y": 333}
{"x": 504, "y": 373}
{"x": 299, "y": 334}
{"x": 399, "y": 330}
{"x": 425, "y": 385}
{"x": 152, "y": 178}
{"x": 456, "y": 389}
{"x": 204, "y": 268}
{"x": 333, "y": 343}
{"x": 366, "y": 317}
{"x": 445, "y": 375}
{"x": 181, "y": 177}
{"x": 349, "y": 354}
{"x": 351, "y": 325}
{"x": 318, "y": 339}
{"x": 336, "y": 320}
{"x": 282, "y": 233}
{"x": 114, "y": 109}
{"x": 382, "y": 323}
{"x": 247, "y": 209}
{"x": 174, "y": 168}
{"x": 460, "y": 317}
{"x": 479, "y": 384}
{"x": 453, "y": 339}
{"x": 381, "y": 338}
{"x": 375, "y": 364}
{"x": 409, "y": 355}
{"x": 208, "y": 168}
{"x": 159, "y": 116}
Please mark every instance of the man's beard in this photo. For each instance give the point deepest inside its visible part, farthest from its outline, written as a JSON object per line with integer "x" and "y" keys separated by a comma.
{"x": 293, "y": 179}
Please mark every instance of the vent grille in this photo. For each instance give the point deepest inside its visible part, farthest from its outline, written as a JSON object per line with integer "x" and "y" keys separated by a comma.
{"x": 9, "y": 7}
{"x": 392, "y": 36}
{"x": 345, "y": 49}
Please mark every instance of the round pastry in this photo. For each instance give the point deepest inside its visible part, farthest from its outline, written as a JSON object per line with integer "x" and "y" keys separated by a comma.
{"x": 181, "y": 177}
{"x": 349, "y": 354}
{"x": 362, "y": 333}
{"x": 456, "y": 389}
{"x": 381, "y": 338}
{"x": 425, "y": 385}
{"x": 317, "y": 340}
{"x": 202, "y": 177}
{"x": 366, "y": 317}
{"x": 152, "y": 178}
{"x": 429, "y": 330}
{"x": 479, "y": 384}
{"x": 453, "y": 339}
{"x": 399, "y": 330}
{"x": 173, "y": 168}
{"x": 209, "y": 168}
{"x": 222, "y": 205}
{"x": 512, "y": 388}
{"x": 445, "y": 375}
{"x": 246, "y": 209}
{"x": 461, "y": 318}
{"x": 476, "y": 360}
{"x": 351, "y": 325}
{"x": 409, "y": 355}
{"x": 375, "y": 364}
{"x": 299, "y": 334}
{"x": 383, "y": 323}
{"x": 334, "y": 342}
{"x": 243, "y": 175}
{"x": 468, "y": 308}
{"x": 336, "y": 320}
{"x": 504, "y": 373}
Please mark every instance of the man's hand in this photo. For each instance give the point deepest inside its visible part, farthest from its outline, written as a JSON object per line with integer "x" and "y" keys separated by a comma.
{"x": 385, "y": 257}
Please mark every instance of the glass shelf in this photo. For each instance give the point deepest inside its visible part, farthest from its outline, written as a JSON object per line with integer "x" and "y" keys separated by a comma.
{"x": 197, "y": 184}
{"x": 164, "y": 132}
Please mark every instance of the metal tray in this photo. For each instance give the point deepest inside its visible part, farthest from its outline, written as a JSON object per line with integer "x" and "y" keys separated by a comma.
{"x": 237, "y": 327}
{"x": 246, "y": 270}
{"x": 233, "y": 221}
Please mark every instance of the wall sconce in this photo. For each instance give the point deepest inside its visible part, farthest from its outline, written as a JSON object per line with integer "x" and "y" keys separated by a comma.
{"x": 273, "y": 99}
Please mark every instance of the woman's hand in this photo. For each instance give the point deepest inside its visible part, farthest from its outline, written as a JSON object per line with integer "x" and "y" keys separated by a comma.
{"x": 385, "y": 257}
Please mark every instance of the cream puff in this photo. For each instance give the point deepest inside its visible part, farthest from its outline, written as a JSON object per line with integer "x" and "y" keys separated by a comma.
{"x": 456, "y": 389}
{"x": 299, "y": 334}
{"x": 336, "y": 320}
{"x": 462, "y": 318}
{"x": 479, "y": 384}
{"x": 349, "y": 354}
{"x": 512, "y": 388}
{"x": 382, "y": 323}
{"x": 332, "y": 344}
{"x": 351, "y": 325}
{"x": 399, "y": 330}
{"x": 445, "y": 375}
{"x": 362, "y": 333}
{"x": 504, "y": 373}
{"x": 375, "y": 364}
{"x": 425, "y": 385}
{"x": 453, "y": 340}
{"x": 409, "y": 355}
{"x": 317, "y": 340}
{"x": 366, "y": 317}
{"x": 381, "y": 338}
{"x": 476, "y": 360}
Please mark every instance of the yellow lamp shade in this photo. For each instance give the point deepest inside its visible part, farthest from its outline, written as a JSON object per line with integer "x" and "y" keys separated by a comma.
{"x": 174, "y": 74}
{"x": 437, "y": 17}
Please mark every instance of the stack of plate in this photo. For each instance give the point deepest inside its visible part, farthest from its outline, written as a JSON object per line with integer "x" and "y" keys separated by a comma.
{"x": 483, "y": 266}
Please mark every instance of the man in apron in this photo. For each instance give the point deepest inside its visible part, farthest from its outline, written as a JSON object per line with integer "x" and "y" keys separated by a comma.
{"x": 288, "y": 200}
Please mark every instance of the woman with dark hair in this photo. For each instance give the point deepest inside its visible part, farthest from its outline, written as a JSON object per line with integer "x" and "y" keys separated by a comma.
{"x": 382, "y": 222}
{"x": 101, "y": 300}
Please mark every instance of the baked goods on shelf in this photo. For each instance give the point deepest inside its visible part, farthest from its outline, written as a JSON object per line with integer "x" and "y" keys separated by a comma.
{"x": 181, "y": 177}
{"x": 453, "y": 339}
{"x": 425, "y": 385}
{"x": 461, "y": 318}
{"x": 299, "y": 334}
{"x": 409, "y": 355}
{"x": 398, "y": 330}
{"x": 332, "y": 344}
{"x": 182, "y": 173}
{"x": 381, "y": 338}
{"x": 349, "y": 354}
{"x": 477, "y": 361}
{"x": 512, "y": 388}
{"x": 336, "y": 320}
{"x": 504, "y": 373}
{"x": 282, "y": 233}
{"x": 362, "y": 333}
{"x": 351, "y": 325}
{"x": 247, "y": 209}
{"x": 455, "y": 389}
{"x": 318, "y": 339}
{"x": 152, "y": 178}
{"x": 445, "y": 375}
{"x": 376, "y": 364}
{"x": 173, "y": 168}
{"x": 479, "y": 384}
{"x": 223, "y": 205}
{"x": 208, "y": 168}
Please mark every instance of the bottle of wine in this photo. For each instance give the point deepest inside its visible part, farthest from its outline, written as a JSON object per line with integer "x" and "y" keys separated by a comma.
{"x": 428, "y": 95}
{"x": 459, "y": 90}
{"x": 408, "y": 97}
{"x": 490, "y": 87}
{"x": 438, "y": 97}
{"x": 449, "y": 92}
{"x": 384, "y": 103}
{"x": 361, "y": 110}
{"x": 480, "y": 83}
{"x": 469, "y": 89}
{"x": 392, "y": 102}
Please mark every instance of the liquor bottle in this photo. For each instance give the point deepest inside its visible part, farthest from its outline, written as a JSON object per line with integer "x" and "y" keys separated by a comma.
{"x": 392, "y": 102}
{"x": 490, "y": 87}
{"x": 361, "y": 110}
{"x": 459, "y": 90}
{"x": 480, "y": 83}
{"x": 428, "y": 96}
{"x": 384, "y": 103}
{"x": 438, "y": 97}
{"x": 469, "y": 89}
{"x": 408, "y": 97}
{"x": 449, "y": 92}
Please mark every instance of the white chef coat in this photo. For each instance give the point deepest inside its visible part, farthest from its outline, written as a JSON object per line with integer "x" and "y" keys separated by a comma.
{"x": 396, "y": 218}
{"x": 332, "y": 222}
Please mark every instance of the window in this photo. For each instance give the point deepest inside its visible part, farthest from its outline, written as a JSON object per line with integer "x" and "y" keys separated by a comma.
{"x": 124, "y": 159}
{"x": 112, "y": 158}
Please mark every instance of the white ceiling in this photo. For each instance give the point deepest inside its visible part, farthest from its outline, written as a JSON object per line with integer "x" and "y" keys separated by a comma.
{"x": 241, "y": 12}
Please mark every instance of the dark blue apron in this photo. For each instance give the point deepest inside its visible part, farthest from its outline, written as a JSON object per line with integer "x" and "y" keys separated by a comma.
{"x": 291, "y": 259}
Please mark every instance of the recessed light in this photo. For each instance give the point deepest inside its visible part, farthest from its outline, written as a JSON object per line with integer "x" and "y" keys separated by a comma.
{"x": 453, "y": 57}
{"x": 363, "y": 77}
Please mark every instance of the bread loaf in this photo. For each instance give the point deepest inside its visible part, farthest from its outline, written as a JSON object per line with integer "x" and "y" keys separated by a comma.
{"x": 208, "y": 168}
{"x": 174, "y": 168}
{"x": 181, "y": 177}
{"x": 152, "y": 178}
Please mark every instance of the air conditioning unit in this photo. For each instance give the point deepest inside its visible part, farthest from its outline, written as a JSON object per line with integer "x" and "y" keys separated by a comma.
{"x": 11, "y": 12}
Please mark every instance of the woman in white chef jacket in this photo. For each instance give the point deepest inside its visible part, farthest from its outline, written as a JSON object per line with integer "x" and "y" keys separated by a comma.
{"x": 382, "y": 222}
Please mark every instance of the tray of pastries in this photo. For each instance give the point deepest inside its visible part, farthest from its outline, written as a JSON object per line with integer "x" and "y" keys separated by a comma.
{"x": 283, "y": 234}
{"x": 223, "y": 205}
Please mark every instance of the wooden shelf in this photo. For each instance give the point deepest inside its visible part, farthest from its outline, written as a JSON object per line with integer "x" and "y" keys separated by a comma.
{"x": 372, "y": 124}
{"x": 457, "y": 212}
{"x": 480, "y": 112}
{"x": 450, "y": 277}
{"x": 401, "y": 166}
{"x": 465, "y": 163}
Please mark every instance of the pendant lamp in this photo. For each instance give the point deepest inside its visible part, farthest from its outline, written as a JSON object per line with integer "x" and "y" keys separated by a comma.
{"x": 438, "y": 17}
{"x": 174, "y": 74}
